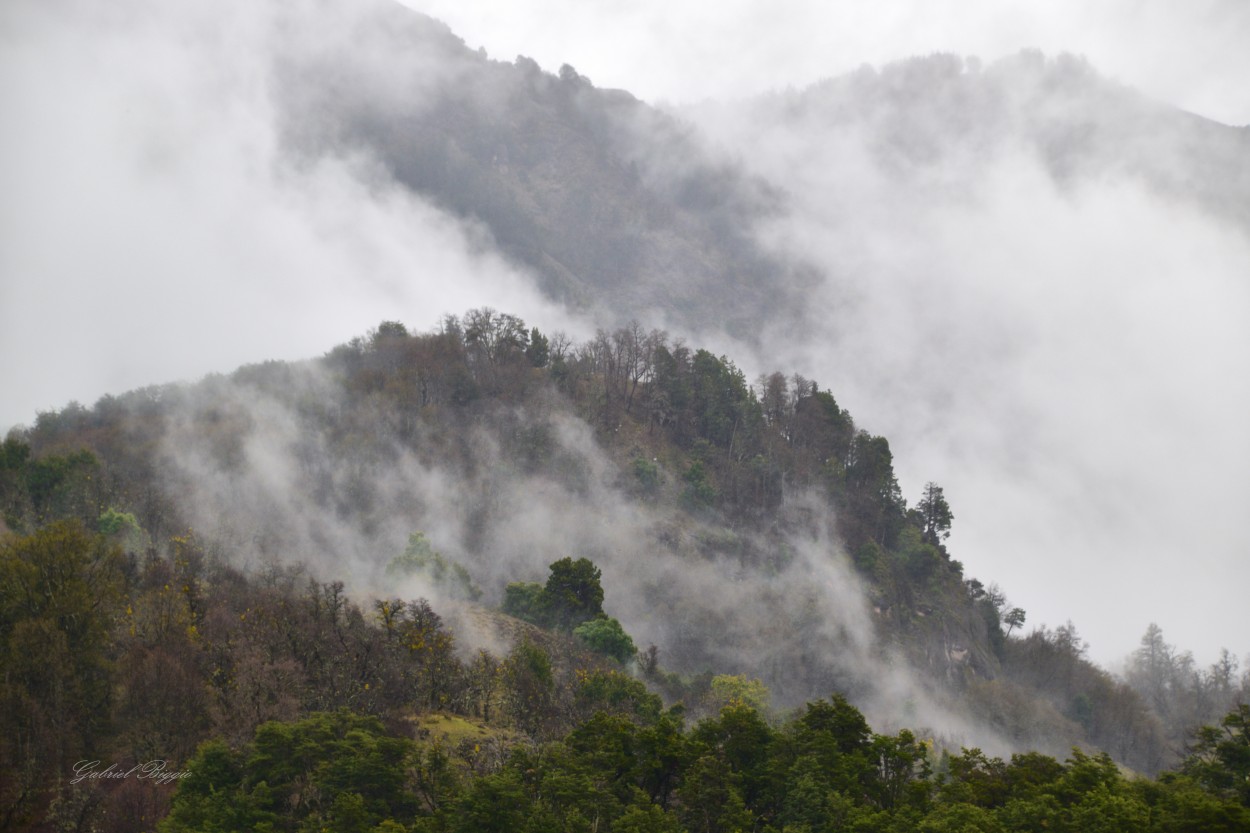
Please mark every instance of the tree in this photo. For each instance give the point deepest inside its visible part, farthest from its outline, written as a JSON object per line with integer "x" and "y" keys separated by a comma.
{"x": 525, "y": 600}
{"x": 1220, "y": 756}
{"x": 539, "y": 350}
{"x": 727, "y": 689}
{"x": 529, "y": 683}
{"x": 875, "y": 502}
{"x": 329, "y": 771}
{"x": 1013, "y": 619}
{"x": 710, "y": 799}
{"x": 60, "y": 589}
{"x": 606, "y": 636}
{"x": 936, "y": 514}
{"x": 573, "y": 593}
{"x": 420, "y": 558}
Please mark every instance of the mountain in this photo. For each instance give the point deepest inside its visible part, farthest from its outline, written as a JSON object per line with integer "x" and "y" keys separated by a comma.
{"x": 496, "y": 537}
{"x": 942, "y": 121}
{"x": 610, "y": 203}
{"x": 739, "y": 530}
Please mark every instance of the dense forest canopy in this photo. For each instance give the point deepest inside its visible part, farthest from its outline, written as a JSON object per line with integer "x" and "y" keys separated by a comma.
{"x": 481, "y": 575}
{"x": 531, "y": 542}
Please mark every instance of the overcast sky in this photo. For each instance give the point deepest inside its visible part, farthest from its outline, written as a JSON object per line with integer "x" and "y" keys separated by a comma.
{"x": 150, "y": 232}
{"x": 1191, "y": 54}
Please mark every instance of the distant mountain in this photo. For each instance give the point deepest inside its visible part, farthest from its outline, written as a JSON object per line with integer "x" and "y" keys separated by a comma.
{"x": 940, "y": 119}
{"x": 742, "y": 531}
{"x": 616, "y": 206}
{"x": 749, "y": 527}
{"x": 610, "y": 203}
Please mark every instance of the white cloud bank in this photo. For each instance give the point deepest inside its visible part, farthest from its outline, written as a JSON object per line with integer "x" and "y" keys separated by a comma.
{"x": 151, "y": 229}
{"x": 1192, "y": 54}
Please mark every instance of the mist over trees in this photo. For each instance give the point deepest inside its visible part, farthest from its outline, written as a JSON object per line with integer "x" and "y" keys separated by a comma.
{"x": 650, "y": 576}
{"x": 724, "y": 487}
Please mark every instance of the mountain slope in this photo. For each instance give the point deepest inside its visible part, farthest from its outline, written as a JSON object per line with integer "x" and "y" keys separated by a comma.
{"x": 740, "y": 531}
{"x": 611, "y": 204}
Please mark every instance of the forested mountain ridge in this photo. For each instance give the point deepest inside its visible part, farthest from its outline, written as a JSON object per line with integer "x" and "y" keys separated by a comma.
{"x": 612, "y": 205}
{"x": 939, "y": 122}
{"x": 487, "y": 577}
{"x": 716, "y": 510}
{"x": 631, "y": 211}
{"x": 741, "y": 529}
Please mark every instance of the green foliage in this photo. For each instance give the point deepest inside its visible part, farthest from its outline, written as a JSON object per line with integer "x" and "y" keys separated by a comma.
{"x": 738, "y": 689}
{"x": 573, "y": 593}
{"x": 646, "y": 818}
{"x": 873, "y": 494}
{"x": 936, "y": 514}
{"x": 530, "y": 685}
{"x": 539, "y": 349}
{"x": 867, "y": 557}
{"x": 607, "y": 637}
{"x": 1013, "y": 619}
{"x": 699, "y": 491}
{"x": 1220, "y": 756}
{"x": 617, "y": 693}
{"x": 959, "y": 818}
{"x": 419, "y": 558}
{"x": 181, "y": 647}
{"x": 335, "y": 771}
{"x": 62, "y": 485}
{"x": 113, "y": 522}
{"x": 525, "y": 600}
{"x": 647, "y": 473}
{"x": 722, "y": 402}
{"x": 494, "y": 804}
{"x": 13, "y": 454}
{"x": 60, "y": 589}
{"x": 921, "y": 560}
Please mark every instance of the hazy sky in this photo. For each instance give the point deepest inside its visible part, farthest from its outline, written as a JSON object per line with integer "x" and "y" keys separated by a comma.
{"x": 1078, "y": 384}
{"x": 151, "y": 231}
{"x": 1191, "y": 54}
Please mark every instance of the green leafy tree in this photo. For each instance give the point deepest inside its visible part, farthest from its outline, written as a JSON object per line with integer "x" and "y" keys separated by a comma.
{"x": 740, "y": 737}
{"x": 525, "y": 600}
{"x": 539, "y": 349}
{"x": 902, "y": 770}
{"x": 646, "y": 818}
{"x": 606, "y": 636}
{"x": 60, "y": 591}
{"x": 1220, "y": 756}
{"x": 497, "y": 803}
{"x": 529, "y": 686}
{"x": 700, "y": 492}
{"x": 335, "y": 771}
{"x": 738, "y": 689}
{"x": 710, "y": 801}
{"x": 613, "y": 692}
{"x": 573, "y": 592}
{"x": 936, "y": 514}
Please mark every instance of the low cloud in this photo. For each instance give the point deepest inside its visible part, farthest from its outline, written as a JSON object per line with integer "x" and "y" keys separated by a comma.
{"x": 154, "y": 227}
{"x": 1046, "y": 328}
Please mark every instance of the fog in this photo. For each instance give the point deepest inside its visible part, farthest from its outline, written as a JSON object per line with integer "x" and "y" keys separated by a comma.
{"x": 1191, "y": 55}
{"x": 153, "y": 228}
{"x": 1067, "y": 357}
{"x": 1063, "y": 355}
{"x": 263, "y": 483}
{"x": 1059, "y": 343}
